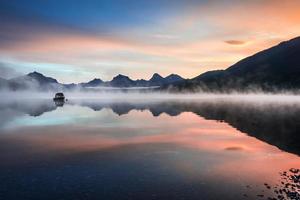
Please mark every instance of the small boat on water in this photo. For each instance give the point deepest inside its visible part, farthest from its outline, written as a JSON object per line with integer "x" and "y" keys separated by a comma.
{"x": 59, "y": 97}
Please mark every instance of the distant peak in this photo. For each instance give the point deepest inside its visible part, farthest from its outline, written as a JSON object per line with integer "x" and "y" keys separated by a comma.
{"x": 34, "y": 73}
{"x": 173, "y": 78}
{"x": 173, "y": 75}
{"x": 41, "y": 78}
{"x": 93, "y": 83}
{"x": 121, "y": 76}
{"x": 157, "y": 75}
{"x": 96, "y": 79}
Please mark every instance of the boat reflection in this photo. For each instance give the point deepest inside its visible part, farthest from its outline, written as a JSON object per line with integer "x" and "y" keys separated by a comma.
{"x": 59, "y": 102}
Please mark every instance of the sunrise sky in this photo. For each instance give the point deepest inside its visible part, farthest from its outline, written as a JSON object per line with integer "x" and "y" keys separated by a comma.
{"x": 78, "y": 40}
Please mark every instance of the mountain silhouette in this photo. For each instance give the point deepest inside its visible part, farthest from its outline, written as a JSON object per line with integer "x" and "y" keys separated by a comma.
{"x": 275, "y": 68}
{"x": 121, "y": 81}
{"x": 33, "y": 80}
{"x": 156, "y": 80}
{"x": 93, "y": 83}
{"x": 40, "y": 78}
{"x": 38, "y": 81}
{"x": 172, "y": 78}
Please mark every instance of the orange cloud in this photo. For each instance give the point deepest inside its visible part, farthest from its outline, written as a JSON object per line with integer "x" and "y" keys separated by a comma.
{"x": 235, "y": 42}
{"x": 188, "y": 44}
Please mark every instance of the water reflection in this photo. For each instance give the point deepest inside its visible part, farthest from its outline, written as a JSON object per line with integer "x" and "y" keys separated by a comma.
{"x": 146, "y": 150}
{"x": 59, "y": 103}
{"x": 276, "y": 124}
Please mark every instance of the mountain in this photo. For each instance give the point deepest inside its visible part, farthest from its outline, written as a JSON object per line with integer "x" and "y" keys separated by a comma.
{"x": 41, "y": 79}
{"x": 38, "y": 81}
{"x": 275, "y": 68}
{"x": 172, "y": 78}
{"x": 142, "y": 83}
{"x": 33, "y": 80}
{"x": 93, "y": 83}
{"x": 121, "y": 81}
{"x": 156, "y": 80}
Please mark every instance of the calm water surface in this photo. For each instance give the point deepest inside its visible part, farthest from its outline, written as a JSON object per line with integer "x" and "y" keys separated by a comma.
{"x": 200, "y": 149}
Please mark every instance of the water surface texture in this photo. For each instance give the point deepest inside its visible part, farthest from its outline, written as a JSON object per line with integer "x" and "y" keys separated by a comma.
{"x": 189, "y": 149}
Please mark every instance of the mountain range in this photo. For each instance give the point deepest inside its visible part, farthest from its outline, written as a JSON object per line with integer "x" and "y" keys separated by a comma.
{"x": 38, "y": 81}
{"x": 276, "y": 68}
{"x": 272, "y": 69}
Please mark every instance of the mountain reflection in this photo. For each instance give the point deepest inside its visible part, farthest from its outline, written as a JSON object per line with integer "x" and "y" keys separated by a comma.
{"x": 276, "y": 124}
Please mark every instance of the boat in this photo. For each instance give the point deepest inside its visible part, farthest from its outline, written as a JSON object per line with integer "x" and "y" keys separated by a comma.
{"x": 59, "y": 97}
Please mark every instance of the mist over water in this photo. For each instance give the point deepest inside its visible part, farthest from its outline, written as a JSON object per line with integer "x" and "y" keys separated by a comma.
{"x": 260, "y": 97}
{"x": 148, "y": 145}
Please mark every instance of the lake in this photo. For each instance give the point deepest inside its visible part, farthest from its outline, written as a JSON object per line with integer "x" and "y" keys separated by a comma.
{"x": 190, "y": 148}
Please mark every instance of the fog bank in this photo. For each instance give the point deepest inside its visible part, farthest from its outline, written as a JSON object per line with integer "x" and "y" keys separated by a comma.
{"x": 156, "y": 96}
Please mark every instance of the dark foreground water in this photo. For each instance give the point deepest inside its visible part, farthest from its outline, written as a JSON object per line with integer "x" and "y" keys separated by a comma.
{"x": 198, "y": 149}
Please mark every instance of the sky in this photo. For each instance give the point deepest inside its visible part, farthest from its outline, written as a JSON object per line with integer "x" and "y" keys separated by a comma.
{"x": 78, "y": 40}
